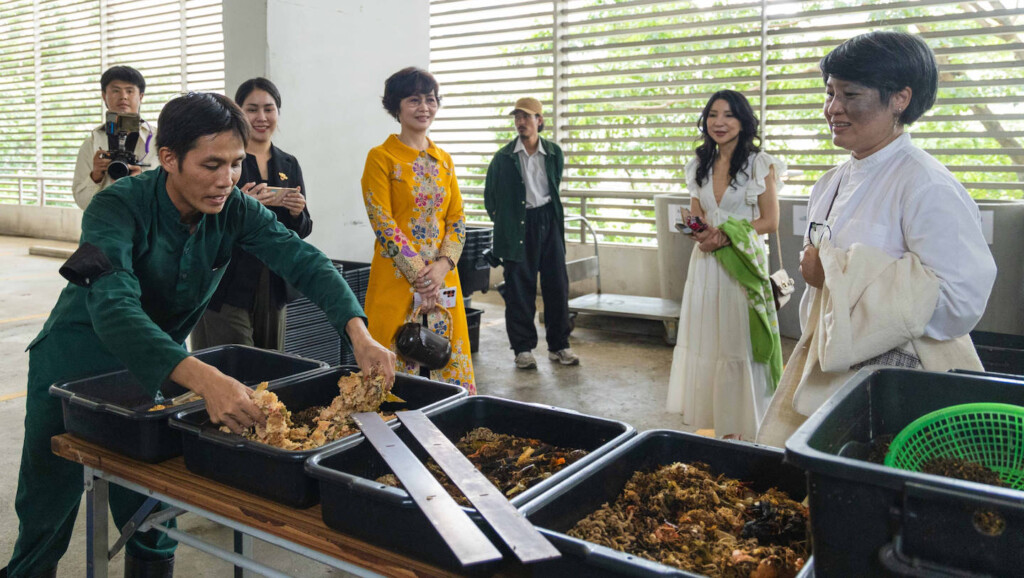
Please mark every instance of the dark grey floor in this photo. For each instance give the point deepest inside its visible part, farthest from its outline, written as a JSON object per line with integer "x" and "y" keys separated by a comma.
{"x": 621, "y": 375}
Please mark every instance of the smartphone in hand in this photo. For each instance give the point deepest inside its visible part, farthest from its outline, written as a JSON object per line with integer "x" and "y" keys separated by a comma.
{"x": 690, "y": 224}
{"x": 278, "y": 195}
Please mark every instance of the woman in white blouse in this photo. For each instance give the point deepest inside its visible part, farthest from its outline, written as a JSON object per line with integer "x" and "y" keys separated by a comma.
{"x": 715, "y": 382}
{"x": 890, "y": 194}
{"x": 894, "y": 203}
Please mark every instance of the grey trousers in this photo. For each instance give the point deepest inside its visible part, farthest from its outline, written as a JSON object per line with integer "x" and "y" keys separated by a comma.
{"x": 262, "y": 327}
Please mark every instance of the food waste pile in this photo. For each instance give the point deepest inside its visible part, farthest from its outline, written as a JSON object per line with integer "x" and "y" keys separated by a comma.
{"x": 961, "y": 469}
{"x": 684, "y": 516}
{"x": 949, "y": 467}
{"x": 513, "y": 464}
{"x": 318, "y": 425}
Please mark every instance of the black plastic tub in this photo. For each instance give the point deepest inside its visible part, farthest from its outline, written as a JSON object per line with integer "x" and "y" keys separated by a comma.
{"x": 474, "y": 277}
{"x": 558, "y": 510}
{"x": 1000, "y": 352}
{"x": 355, "y": 504}
{"x": 112, "y": 409}
{"x": 278, "y": 474}
{"x": 473, "y": 323}
{"x": 870, "y": 520}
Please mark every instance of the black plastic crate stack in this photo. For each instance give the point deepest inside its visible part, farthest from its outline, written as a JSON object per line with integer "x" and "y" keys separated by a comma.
{"x": 357, "y": 275}
{"x": 1000, "y": 352}
{"x": 307, "y": 331}
{"x": 474, "y": 272}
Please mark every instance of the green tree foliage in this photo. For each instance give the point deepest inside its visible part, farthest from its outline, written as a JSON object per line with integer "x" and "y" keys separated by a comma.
{"x": 633, "y": 76}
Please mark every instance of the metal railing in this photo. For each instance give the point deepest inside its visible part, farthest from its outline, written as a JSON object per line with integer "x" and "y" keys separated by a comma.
{"x": 43, "y": 191}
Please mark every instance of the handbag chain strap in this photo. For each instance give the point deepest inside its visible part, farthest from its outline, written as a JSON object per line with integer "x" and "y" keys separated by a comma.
{"x": 417, "y": 312}
{"x": 778, "y": 247}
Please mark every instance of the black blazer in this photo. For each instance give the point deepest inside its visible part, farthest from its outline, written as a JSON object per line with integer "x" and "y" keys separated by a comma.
{"x": 238, "y": 287}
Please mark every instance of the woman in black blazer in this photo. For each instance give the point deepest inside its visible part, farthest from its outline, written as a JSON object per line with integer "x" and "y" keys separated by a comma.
{"x": 249, "y": 305}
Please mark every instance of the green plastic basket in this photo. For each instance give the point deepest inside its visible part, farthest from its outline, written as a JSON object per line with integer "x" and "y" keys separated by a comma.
{"x": 990, "y": 434}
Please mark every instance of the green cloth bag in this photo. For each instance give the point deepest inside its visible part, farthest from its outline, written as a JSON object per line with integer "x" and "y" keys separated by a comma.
{"x": 747, "y": 261}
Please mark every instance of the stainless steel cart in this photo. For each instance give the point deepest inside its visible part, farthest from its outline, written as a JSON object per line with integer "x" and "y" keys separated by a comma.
{"x": 654, "y": 308}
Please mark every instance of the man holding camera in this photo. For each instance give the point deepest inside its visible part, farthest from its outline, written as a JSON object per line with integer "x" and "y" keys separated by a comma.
{"x": 521, "y": 197}
{"x": 122, "y": 88}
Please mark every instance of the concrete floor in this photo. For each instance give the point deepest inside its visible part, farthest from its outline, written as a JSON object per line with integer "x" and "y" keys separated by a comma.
{"x": 624, "y": 375}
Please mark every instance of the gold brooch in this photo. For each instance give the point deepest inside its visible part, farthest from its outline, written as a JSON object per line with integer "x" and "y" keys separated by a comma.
{"x": 282, "y": 176}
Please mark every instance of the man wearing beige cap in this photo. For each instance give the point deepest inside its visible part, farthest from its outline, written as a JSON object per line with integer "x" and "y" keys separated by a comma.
{"x": 521, "y": 197}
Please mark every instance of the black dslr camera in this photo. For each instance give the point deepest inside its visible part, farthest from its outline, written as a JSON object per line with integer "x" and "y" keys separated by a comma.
{"x": 122, "y": 136}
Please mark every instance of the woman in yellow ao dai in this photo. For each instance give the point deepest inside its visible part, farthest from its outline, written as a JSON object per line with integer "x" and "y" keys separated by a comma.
{"x": 415, "y": 208}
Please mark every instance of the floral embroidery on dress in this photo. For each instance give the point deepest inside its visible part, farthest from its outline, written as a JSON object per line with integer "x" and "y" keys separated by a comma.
{"x": 392, "y": 240}
{"x": 428, "y": 196}
{"x": 414, "y": 230}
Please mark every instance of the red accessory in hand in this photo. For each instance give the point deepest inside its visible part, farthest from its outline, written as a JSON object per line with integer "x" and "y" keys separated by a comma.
{"x": 695, "y": 224}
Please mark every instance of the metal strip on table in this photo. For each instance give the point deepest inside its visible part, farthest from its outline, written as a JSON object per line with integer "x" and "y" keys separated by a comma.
{"x": 466, "y": 540}
{"x": 525, "y": 541}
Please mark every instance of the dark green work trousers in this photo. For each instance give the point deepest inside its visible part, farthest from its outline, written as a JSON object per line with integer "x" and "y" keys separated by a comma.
{"x": 50, "y": 487}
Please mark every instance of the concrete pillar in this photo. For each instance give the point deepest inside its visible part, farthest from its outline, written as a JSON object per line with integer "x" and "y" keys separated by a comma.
{"x": 330, "y": 60}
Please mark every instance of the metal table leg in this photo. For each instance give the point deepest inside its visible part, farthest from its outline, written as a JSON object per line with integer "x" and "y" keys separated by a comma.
{"x": 96, "y": 562}
{"x": 671, "y": 329}
{"x": 129, "y": 529}
{"x": 243, "y": 546}
{"x": 155, "y": 521}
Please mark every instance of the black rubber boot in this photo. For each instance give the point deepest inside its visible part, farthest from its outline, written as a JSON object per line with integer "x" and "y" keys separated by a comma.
{"x": 135, "y": 568}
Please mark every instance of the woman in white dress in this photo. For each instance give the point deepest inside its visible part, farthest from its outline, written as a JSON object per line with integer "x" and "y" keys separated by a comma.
{"x": 715, "y": 382}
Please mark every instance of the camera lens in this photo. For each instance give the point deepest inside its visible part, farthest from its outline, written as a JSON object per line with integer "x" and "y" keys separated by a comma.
{"x": 117, "y": 169}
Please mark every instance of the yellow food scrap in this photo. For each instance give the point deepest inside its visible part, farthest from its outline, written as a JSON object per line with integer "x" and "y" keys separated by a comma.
{"x": 356, "y": 393}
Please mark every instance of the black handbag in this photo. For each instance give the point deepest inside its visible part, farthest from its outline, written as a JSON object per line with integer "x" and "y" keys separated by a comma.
{"x": 416, "y": 343}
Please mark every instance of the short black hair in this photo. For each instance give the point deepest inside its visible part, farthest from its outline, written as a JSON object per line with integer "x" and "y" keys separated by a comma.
{"x": 887, "y": 61}
{"x": 186, "y": 118}
{"x": 258, "y": 83}
{"x": 405, "y": 83}
{"x": 124, "y": 74}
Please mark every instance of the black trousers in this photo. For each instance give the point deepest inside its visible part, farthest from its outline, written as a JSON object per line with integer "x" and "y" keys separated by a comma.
{"x": 544, "y": 254}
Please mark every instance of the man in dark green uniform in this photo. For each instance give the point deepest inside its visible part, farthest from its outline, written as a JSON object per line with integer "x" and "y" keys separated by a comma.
{"x": 152, "y": 251}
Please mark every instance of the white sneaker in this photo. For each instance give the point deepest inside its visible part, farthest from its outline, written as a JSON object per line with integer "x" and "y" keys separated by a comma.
{"x": 565, "y": 357}
{"x": 525, "y": 360}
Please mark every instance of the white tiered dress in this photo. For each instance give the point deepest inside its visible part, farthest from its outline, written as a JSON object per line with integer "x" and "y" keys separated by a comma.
{"x": 715, "y": 382}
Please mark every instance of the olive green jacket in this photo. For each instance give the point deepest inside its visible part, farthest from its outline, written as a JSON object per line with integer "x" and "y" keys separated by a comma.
{"x": 505, "y": 197}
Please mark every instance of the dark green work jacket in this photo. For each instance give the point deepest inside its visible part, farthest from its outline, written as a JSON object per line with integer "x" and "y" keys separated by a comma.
{"x": 505, "y": 197}
{"x": 160, "y": 277}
